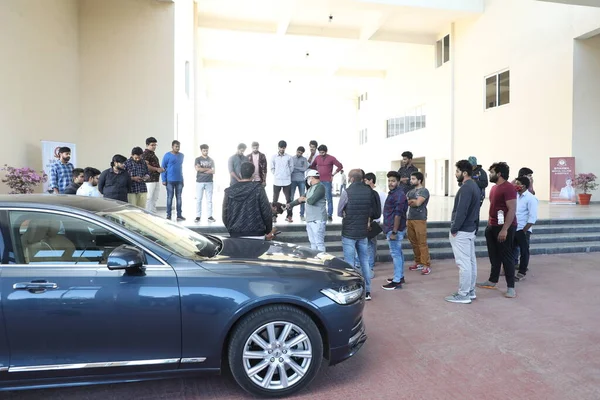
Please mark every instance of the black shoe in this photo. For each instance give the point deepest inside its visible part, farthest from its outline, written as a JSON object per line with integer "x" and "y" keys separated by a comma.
{"x": 168, "y": 217}
{"x": 390, "y": 280}
{"x": 368, "y": 296}
{"x": 392, "y": 286}
{"x": 211, "y": 219}
{"x": 180, "y": 219}
{"x": 330, "y": 218}
{"x": 197, "y": 219}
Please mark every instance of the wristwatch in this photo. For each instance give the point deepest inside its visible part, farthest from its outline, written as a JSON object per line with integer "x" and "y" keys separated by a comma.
{"x": 394, "y": 233}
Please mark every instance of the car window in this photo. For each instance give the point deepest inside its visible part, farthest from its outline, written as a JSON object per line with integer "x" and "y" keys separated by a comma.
{"x": 46, "y": 238}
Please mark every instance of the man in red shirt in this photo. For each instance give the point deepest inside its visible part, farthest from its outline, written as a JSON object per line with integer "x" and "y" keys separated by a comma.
{"x": 500, "y": 232}
{"x": 324, "y": 164}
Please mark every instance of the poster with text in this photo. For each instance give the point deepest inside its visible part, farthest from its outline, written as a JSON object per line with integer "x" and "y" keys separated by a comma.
{"x": 50, "y": 155}
{"x": 562, "y": 179}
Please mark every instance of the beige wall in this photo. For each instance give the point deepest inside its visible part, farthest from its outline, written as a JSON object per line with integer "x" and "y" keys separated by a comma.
{"x": 127, "y": 77}
{"x": 535, "y": 41}
{"x": 586, "y": 103}
{"x": 39, "y": 86}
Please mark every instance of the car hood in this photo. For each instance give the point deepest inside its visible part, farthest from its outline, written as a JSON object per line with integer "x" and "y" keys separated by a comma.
{"x": 273, "y": 253}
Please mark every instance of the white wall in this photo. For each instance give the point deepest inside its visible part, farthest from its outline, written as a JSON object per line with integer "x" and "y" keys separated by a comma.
{"x": 535, "y": 40}
{"x": 127, "y": 77}
{"x": 39, "y": 87}
{"x": 586, "y": 103}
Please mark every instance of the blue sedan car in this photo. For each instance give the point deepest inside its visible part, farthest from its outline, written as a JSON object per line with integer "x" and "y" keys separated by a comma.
{"x": 97, "y": 291}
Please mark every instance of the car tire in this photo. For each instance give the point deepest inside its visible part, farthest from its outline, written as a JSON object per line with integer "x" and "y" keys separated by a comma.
{"x": 271, "y": 343}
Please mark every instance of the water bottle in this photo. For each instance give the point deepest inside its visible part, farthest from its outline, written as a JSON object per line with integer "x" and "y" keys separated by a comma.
{"x": 500, "y": 217}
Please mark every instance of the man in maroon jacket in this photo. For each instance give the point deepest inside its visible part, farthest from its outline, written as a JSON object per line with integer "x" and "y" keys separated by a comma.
{"x": 324, "y": 164}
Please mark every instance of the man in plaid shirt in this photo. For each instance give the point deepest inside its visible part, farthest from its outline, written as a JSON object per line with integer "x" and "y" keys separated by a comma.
{"x": 138, "y": 170}
{"x": 61, "y": 172}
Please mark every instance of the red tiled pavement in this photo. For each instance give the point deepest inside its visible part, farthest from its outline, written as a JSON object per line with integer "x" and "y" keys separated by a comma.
{"x": 545, "y": 344}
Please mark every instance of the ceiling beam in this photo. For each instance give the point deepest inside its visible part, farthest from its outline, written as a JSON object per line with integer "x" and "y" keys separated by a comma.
{"x": 213, "y": 22}
{"x": 589, "y": 3}
{"x": 372, "y": 23}
{"x": 285, "y": 16}
{"x": 470, "y": 6}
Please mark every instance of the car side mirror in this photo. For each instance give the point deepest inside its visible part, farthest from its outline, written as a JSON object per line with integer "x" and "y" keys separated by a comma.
{"x": 126, "y": 257}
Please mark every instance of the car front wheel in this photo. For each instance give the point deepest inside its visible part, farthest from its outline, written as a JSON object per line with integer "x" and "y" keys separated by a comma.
{"x": 275, "y": 351}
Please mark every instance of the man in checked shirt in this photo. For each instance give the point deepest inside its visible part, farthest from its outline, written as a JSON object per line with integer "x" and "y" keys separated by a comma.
{"x": 61, "y": 172}
{"x": 138, "y": 170}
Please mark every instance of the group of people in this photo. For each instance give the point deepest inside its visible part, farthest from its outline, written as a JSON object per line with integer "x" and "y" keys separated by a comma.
{"x": 134, "y": 180}
{"x": 365, "y": 212}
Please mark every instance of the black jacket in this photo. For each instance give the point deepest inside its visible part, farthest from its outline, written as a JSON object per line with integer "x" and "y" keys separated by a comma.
{"x": 360, "y": 207}
{"x": 114, "y": 186}
{"x": 72, "y": 189}
{"x": 481, "y": 179}
{"x": 246, "y": 210}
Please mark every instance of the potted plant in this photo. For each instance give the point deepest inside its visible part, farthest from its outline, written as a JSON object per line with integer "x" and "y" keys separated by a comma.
{"x": 23, "y": 180}
{"x": 585, "y": 183}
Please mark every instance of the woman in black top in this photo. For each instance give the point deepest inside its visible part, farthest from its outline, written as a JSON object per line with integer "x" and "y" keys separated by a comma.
{"x": 115, "y": 182}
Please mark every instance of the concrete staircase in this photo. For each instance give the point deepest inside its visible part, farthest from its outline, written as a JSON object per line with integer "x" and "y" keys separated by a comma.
{"x": 554, "y": 236}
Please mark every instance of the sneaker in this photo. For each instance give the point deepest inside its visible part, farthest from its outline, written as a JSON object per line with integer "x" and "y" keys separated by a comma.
{"x": 457, "y": 298}
{"x": 289, "y": 219}
{"x": 197, "y": 219}
{"x": 416, "y": 267}
{"x": 368, "y": 296}
{"x": 426, "y": 271}
{"x": 486, "y": 285}
{"x": 472, "y": 295}
{"x": 510, "y": 293}
{"x": 392, "y": 286}
{"x": 302, "y": 218}
{"x": 330, "y": 218}
{"x": 168, "y": 217}
{"x": 390, "y": 280}
{"x": 180, "y": 218}
{"x": 211, "y": 219}
{"x": 519, "y": 277}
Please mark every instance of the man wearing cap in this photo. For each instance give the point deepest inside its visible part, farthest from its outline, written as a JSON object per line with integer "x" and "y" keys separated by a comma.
{"x": 316, "y": 214}
{"x": 479, "y": 176}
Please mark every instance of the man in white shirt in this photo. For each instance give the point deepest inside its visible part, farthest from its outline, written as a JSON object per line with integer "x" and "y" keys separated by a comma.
{"x": 89, "y": 187}
{"x": 282, "y": 166}
{"x": 527, "y": 209}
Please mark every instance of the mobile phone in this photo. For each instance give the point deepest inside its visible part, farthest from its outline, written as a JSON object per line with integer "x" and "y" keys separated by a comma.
{"x": 276, "y": 233}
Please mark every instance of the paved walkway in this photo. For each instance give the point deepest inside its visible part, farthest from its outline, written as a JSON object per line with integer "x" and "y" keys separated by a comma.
{"x": 545, "y": 344}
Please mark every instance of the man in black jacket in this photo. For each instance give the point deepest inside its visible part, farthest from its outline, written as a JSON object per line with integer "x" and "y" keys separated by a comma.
{"x": 246, "y": 208}
{"x": 77, "y": 181}
{"x": 358, "y": 206}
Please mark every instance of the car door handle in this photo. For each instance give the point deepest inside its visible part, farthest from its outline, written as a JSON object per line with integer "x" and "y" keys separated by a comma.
{"x": 34, "y": 285}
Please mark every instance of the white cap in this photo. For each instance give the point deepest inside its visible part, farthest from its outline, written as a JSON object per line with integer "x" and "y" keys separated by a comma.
{"x": 311, "y": 172}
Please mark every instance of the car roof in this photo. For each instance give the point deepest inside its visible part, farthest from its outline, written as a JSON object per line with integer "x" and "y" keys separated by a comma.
{"x": 62, "y": 201}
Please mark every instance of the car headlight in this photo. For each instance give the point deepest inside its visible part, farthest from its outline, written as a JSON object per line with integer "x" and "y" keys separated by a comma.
{"x": 344, "y": 294}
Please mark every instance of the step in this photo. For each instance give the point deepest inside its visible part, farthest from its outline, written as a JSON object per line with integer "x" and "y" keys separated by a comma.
{"x": 481, "y": 251}
{"x": 480, "y": 241}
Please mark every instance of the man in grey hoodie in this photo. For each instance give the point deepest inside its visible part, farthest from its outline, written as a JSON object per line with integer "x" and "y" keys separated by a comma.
{"x": 465, "y": 214}
{"x": 316, "y": 214}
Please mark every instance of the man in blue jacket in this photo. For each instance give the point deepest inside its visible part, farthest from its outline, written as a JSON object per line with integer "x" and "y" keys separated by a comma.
{"x": 172, "y": 178}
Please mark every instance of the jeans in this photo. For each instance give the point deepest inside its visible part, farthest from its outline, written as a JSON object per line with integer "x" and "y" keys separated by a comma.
{"x": 351, "y": 248}
{"x": 286, "y": 193}
{"x": 372, "y": 252}
{"x": 463, "y": 247}
{"x": 301, "y": 191}
{"x": 316, "y": 234}
{"x": 522, "y": 243}
{"x": 152, "y": 197}
{"x": 329, "y": 197}
{"x": 174, "y": 188}
{"x": 501, "y": 254}
{"x": 397, "y": 255}
{"x": 417, "y": 235}
{"x": 201, "y": 187}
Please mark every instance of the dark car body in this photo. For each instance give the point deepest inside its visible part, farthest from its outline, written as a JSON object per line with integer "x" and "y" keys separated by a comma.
{"x": 67, "y": 319}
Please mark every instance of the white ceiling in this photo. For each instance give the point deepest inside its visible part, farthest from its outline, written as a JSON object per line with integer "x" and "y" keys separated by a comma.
{"x": 267, "y": 41}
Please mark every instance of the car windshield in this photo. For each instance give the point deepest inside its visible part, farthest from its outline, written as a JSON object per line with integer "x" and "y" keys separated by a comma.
{"x": 173, "y": 237}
